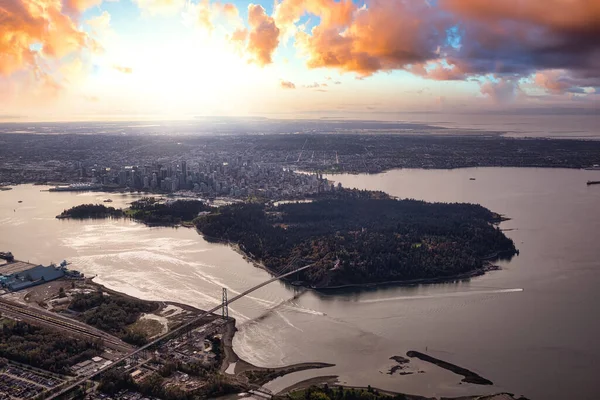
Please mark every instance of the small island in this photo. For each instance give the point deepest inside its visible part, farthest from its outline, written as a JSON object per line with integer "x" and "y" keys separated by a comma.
{"x": 360, "y": 237}
{"x": 90, "y": 211}
{"x": 149, "y": 210}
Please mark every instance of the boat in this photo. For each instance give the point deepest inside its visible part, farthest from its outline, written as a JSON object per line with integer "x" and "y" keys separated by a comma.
{"x": 20, "y": 201}
{"x": 593, "y": 183}
{"x": 108, "y": 201}
{"x": 594, "y": 167}
{"x": 471, "y": 179}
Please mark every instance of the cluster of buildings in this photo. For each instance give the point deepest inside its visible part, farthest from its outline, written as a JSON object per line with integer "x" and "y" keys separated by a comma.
{"x": 19, "y": 275}
{"x": 227, "y": 176}
{"x": 90, "y": 366}
{"x": 195, "y": 347}
{"x": 121, "y": 395}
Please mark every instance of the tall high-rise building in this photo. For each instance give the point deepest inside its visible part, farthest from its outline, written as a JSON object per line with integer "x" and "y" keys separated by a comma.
{"x": 184, "y": 168}
{"x": 122, "y": 178}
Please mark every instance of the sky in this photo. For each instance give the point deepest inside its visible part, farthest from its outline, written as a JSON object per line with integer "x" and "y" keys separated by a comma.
{"x": 168, "y": 59}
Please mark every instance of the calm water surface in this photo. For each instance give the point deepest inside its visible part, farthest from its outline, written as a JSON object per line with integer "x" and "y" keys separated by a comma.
{"x": 532, "y": 327}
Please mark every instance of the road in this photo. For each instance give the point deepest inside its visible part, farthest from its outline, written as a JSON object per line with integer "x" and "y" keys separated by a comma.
{"x": 174, "y": 332}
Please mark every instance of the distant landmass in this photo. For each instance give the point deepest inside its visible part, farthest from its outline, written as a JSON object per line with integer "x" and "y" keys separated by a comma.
{"x": 360, "y": 237}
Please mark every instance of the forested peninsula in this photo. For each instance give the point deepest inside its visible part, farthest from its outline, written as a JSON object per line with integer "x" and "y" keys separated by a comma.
{"x": 352, "y": 237}
{"x": 360, "y": 237}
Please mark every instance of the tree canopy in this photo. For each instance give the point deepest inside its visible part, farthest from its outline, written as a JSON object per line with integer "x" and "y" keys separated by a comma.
{"x": 361, "y": 238}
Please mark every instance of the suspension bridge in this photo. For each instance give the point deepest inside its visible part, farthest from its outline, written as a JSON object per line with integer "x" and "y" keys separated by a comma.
{"x": 142, "y": 352}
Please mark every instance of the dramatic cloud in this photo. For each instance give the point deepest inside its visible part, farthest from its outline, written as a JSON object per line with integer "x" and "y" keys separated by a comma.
{"x": 500, "y": 90}
{"x": 32, "y": 30}
{"x": 450, "y": 39}
{"x": 125, "y": 70}
{"x": 230, "y": 10}
{"x": 330, "y": 12}
{"x": 566, "y": 15}
{"x": 81, "y": 5}
{"x": 287, "y": 85}
{"x": 386, "y": 35}
{"x": 30, "y": 88}
{"x": 263, "y": 37}
{"x": 513, "y": 36}
{"x": 562, "y": 81}
{"x": 206, "y": 13}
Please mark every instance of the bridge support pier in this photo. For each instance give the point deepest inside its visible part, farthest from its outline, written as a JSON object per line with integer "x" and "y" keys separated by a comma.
{"x": 225, "y": 308}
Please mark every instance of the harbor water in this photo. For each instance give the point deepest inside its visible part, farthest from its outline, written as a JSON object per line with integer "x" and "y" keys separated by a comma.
{"x": 531, "y": 327}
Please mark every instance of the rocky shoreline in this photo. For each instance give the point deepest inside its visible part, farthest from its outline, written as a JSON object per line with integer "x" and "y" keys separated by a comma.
{"x": 469, "y": 376}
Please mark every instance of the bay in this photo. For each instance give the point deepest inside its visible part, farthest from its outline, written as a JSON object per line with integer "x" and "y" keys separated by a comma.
{"x": 530, "y": 327}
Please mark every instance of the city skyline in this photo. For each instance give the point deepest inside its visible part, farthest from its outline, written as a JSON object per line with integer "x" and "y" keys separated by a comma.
{"x": 170, "y": 59}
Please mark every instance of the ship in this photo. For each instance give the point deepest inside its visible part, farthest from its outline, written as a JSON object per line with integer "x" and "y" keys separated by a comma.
{"x": 593, "y": 182}
{"x": 594, "y": 167}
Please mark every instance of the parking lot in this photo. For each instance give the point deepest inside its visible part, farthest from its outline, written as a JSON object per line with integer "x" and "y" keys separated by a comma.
{"x": 20, "y": 383}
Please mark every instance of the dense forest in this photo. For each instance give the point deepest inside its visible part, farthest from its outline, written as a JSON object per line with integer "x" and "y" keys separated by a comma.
{"x": 112, "y": 313}
{"x": 94, "y": 211}
{"x": 363, "y": 237}
{"x": 340, "y": 393}
{"x": 116, "y": 380}
{"x": 44, "y": 348}
{"x": 148, "y": 210}
{"x": 152, "y": 211}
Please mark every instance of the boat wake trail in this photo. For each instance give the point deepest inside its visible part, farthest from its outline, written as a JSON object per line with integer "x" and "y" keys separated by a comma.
{"x": 443, "y": 295}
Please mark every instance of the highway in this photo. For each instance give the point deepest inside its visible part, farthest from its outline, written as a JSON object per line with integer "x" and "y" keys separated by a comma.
{"x": 173, "y": 333}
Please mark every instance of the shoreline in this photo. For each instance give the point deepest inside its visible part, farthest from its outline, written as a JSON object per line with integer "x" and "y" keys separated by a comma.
{"x": 411, "y": 282}
{"x": 243, "y": 367}
{"x": 423, "y": 281}
{"x": 229, "y": 355}
{"x": 332, "y": 382}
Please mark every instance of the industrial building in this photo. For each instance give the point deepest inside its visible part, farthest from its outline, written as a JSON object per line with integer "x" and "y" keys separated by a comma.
{"x": 19, "y": 275}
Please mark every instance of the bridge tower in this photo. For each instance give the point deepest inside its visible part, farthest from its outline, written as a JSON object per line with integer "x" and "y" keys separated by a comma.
{"x": 225, "y": 307}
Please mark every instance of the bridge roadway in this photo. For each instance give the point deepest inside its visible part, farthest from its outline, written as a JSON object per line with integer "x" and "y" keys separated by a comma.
{"x": 171, "y": 333}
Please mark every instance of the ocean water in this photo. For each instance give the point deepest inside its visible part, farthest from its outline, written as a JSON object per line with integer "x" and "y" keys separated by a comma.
{"x": 530, "y": 327}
